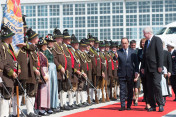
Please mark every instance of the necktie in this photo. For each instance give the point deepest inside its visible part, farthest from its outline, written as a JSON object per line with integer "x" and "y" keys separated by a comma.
{"x": 148, "y": 43}
{"x": 126, "y": 54}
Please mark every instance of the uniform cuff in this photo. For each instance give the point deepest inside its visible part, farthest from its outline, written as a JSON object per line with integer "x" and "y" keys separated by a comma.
{"x": 10, "y": 73}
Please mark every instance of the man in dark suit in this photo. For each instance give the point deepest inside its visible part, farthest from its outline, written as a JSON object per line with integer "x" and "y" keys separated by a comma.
{"x": 152, "y": 67}
{"x": 170, "y": 47}
{"x": 128, "y": 65}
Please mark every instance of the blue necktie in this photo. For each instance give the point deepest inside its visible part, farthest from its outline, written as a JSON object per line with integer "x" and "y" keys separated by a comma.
{"x": 148, "y": 43}
{"x": 125, "y": 54}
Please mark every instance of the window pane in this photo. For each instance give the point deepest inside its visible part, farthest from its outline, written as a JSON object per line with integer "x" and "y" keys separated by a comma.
{"x": 117, "y": 33}
{"x": 68, "y": 22}
{"x": 131, "y": 7}
{"x": 144, "y": 20}
{"x": 93, "y": 32}
{"x": 42, "y": 23}
{"x": 117, "y": 7}
{"x": 80, "y": 33}
{"x": 131, "y": 33}
{"x": 170, "y": 5}
{"x": 54, "y": 10}
{"x": 157, "y": 19}
{"x": 92, "y": 8}
{"x": 92, "y": 21}
{"x": 30, "y": 11}
{"x": 54, "y": 22}
{"x": 131, "y": 20}
{"x": 42, "y": 10}
{"x": 157, "y": 6}
{"x": 31, "y": 22}
{"x": 105, "y": 21}
{"x": 79, "y": 9}
{"x": 105, "y": 34}
{"x": 68, "y": 9}
{"x": 104, "y": 8}
{"x": 117, "y": 20}
{"x": 171, "y": 17}
{"x": 80, "y": 22}
{"x": 144, "y": 6}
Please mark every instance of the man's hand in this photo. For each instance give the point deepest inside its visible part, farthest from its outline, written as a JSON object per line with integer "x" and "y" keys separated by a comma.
{"x": 136, "y": 75}
{"x": 103, "y": 74}
{"x": 169, "y": 74}
{"x": 84, "y": 75}
{"x": 142, "y": 70}
{"x": 116, "y": 54}
{"x": 14, "y": 75}
{"x": 62, "y": 70}
{"x": 78, "y": 72}
{"x": 37, "y": 72}
{"x": 20, "y": 45}
{"x": 19, "y": 71}
{"x": 46, "y": 78}
{"x": 159, "y": 69}
{"x": 135, "y": 79}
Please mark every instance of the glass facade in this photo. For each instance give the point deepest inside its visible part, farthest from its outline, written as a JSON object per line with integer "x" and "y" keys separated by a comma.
{"x": 104, "y": 19}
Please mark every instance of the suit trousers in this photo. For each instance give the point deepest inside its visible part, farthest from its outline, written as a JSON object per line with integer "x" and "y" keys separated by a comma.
{"x": 173, "y": 82}
{"x": 144, "y": 83}
{"x": 154, "y": 88}
{"x": 126, "y": 82}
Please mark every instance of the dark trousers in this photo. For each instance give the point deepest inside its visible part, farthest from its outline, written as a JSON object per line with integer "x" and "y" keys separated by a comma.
{"x": 126, "y": 82}
{"x": 154, "y": 88}
{"x": 144, "y": 84}
{"x": 173, "y": 82}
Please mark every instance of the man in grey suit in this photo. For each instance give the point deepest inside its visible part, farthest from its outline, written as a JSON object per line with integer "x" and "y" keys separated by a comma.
{"x": 128, "y": 66}
{"x": 152, "y": 68}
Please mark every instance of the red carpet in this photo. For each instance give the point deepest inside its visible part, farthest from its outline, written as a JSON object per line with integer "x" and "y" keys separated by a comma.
{"x": 137, "y": 111}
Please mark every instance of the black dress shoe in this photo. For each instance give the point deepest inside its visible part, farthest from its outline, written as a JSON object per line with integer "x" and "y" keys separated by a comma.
{"x": 122, "y": 109}
{"x": 43, "y": 113}
{"x": 85, "y": 104}
{"x": 80, "y": 105}
{"x": 170, "y": 95}
{"x": 113, "y": 99}
{"x": 174, "y": 99}
{"x": 151, "y": 109}
{"x": 128, "y": 108}
{"x": 33, "y": 115}
{"x": 73, "y": 106}
{"x": 49, "y": 111}
{"x": 143, "y": 100}
{"x": 161, "y": 108}
{"x": 136, "y": 104}
{"x": 67, "y": 108}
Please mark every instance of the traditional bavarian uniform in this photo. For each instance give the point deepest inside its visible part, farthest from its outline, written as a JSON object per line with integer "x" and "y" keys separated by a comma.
{"x": 104, "y": 80}
{"x": 90, "y": 90}
{"x": 114, "y": 72}
{"x": 96, "y": 68}
{"x": 61, "y": 62}
{"x": 10, "y": 66}
{"x": 69, "y": 69}
{"x": 82, "y": 85}
{"x": 29, "y": 61}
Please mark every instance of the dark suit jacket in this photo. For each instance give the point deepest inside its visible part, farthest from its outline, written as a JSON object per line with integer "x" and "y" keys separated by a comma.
{"x": 173, "y": 63}
{"x": 129, "y": 66}
{"x": 167, "y": 61}
{"x": 153, "y": 55}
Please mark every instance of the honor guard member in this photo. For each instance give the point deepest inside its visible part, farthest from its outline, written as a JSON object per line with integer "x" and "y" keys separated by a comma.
{"x": 90, "y": 89}
{"x": 83, "y": 84}
{"x": 70, "y": 65}
{"x": 30, "y": 64}
{"x": 76, "y": 72}
{"x": 60, "y": 60}
{"x": 11, "y": 68}
{"x": 114, "y": 56}
{"x": 110, "y": 67}
{"x": 104, "y": 77}
{"x": 96, "y": 62}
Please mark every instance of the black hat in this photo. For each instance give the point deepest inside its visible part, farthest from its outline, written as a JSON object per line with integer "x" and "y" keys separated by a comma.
{"x": 24, "y": 21}
{"x": 117, "y": 43}
{"x": 66, "y": 34}
{"x": 83, "y": 42}
{"x": 102, "y": 44}
{"x": 6, "y": 32}
{"x": 57, "y": 33}
{"x": 107, "y": 43}
{"x": 49, "y": 38}
{"x": 90, "y": 37}
{"x": 74, "y": 39}
{"x": 113, "y": 44}
{"x": 31, "y": 34}
{"x": 96, "y": 40}
{"x": 42, "y": 41}
{"x": 87, "y": 41}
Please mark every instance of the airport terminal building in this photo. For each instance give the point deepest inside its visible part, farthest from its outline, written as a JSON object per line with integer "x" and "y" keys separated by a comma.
{"x": 106, "y": 19}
